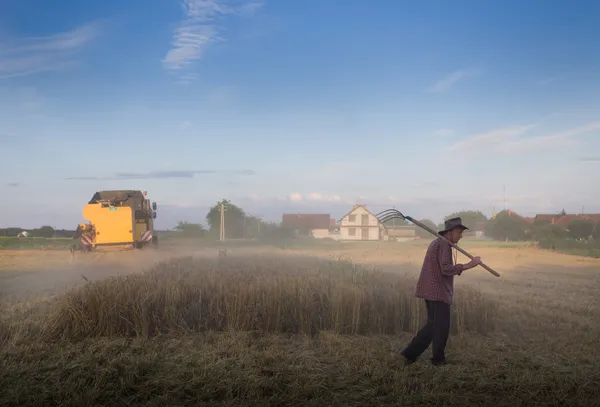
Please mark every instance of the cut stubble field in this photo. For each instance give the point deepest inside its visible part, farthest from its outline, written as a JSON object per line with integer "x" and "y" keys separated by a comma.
{"x": 307, "y": 326}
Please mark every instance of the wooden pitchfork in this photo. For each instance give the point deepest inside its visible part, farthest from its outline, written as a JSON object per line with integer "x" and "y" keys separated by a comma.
{"x": 390, "y": 214}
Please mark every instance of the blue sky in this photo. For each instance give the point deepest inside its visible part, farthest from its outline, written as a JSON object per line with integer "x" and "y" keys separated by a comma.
{"x": 304, "y": 106}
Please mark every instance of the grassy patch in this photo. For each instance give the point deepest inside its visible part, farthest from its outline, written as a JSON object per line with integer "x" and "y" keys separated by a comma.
{"x": 43, "y": 243}
{"x": 241, "y": 369}
{"x": 275, "y": 295}
{"x": 589, "y": 248}
{"x": 294, "y": 331}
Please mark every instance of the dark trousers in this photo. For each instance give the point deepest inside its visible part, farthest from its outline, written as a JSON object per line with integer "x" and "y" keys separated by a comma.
{"x": 436, "y": 330}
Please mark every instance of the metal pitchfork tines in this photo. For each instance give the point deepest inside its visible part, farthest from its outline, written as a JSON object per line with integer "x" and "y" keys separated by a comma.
{"x": 390, "y": 214}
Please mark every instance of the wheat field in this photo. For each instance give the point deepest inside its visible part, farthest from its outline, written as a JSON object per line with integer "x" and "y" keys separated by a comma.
{"x": 310, "y": 327}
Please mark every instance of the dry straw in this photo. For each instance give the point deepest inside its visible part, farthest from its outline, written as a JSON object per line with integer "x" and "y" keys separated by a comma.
{"x": 261, "y": 294}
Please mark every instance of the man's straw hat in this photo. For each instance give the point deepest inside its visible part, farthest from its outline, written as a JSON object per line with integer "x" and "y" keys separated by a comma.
{"x": 452, "y": 224}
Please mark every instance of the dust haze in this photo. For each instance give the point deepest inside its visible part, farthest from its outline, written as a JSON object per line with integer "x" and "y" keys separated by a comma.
{"x": 27, "y": 274}
{"x": 288, "y": 301}
{"x": 245, "y": 203}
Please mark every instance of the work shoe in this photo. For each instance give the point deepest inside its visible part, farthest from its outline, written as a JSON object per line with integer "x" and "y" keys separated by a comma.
{"x": 405, "y": 361}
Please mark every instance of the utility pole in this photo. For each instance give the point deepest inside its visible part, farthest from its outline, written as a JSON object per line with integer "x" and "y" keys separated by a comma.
{"x": 222, "y": 231}
{"x": 258, "y": 222}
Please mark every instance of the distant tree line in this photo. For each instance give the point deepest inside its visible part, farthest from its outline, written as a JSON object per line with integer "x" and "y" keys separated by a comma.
{"x": 581, "y": 235}
{"x": 509, "y": 226}
{"x": 238, "y": 224}
{"x": 44, "y": 231}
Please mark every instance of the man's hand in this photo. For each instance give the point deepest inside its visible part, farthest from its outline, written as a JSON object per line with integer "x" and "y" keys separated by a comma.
{"x": 473, "y": 263}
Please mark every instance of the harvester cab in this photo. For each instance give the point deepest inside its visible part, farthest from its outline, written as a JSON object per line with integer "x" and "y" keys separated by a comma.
{"x": 117, "y": 220}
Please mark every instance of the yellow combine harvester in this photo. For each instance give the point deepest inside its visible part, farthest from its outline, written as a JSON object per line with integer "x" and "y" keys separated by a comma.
{"x": 118, "y": 220}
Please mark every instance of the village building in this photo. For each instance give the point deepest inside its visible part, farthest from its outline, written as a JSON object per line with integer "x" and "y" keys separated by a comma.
{"x": 477, "y": 231}
{"x": 562, "y": 219}
{"x": 526, "y": 221}
{"x": 360, "y": 224}
{"x": 402, "y": 232}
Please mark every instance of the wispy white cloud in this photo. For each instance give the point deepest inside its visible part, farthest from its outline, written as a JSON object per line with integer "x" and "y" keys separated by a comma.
{"x": 314, "y": 197}
{"x": 552, "y": 141}
{"x": 187, "y": 78}
{"x": 32, "y": 55}
{"x": 577, "y": 131}
{"x": 199, "y": 29}
{"x": 161, "y": 174}
{"x": 491, "y": 138}
{"x": 295, "y": 197}
{"x": 447, "y": 82}
{"x": 511, "y": 140}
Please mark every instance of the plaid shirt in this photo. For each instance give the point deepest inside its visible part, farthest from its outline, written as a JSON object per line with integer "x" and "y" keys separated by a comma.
{"x": 436, "y": 282}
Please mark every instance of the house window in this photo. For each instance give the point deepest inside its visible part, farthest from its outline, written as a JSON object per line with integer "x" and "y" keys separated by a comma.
{"x": 351, "y": 218}
{"x": 352, "y": 232}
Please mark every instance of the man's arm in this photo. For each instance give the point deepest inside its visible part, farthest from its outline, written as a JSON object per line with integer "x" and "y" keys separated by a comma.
{"x": 446, "y": 263}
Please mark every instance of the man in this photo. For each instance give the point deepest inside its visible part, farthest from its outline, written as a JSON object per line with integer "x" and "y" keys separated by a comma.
{"x": 436, "y": 287}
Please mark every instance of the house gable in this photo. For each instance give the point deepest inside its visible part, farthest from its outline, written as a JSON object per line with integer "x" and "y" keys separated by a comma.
{"x": 360, "y": 216}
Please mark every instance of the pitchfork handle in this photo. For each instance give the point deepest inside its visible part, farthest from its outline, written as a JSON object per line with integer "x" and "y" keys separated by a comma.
{"x": 427, "y": 228}
{"x": 491, "y": 270}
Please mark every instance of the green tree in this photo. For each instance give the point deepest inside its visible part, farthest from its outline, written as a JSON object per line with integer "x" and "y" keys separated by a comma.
{"x": 580, "y": 229}
{"x": 235, "y": 218}
{"x": 275, "y": 234}
{"x": 547, "y": 231}
{"x": 188, "y": 229}
{"x": 596, "y": 232}
{"x": 505, "y": 227}
{"x": 255, "y": 227}
{"x": 12, "y": 232}
{"x": 537, "y": 223}
{"x": 544, "y": 229}
{"x": 422, "y": 233}
{"x": 469, "y": 218}
{"x": 44, "y": 231}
